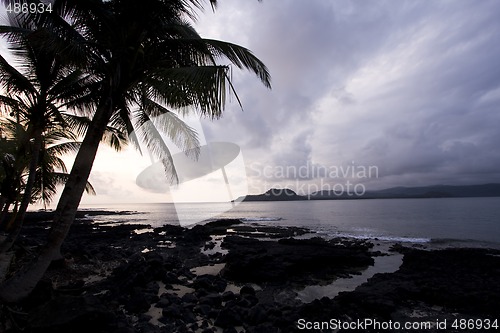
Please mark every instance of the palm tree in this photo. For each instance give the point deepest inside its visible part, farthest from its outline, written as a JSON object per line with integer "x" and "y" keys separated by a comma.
{"x": 50, "y": 173}
{"x": 45, "y": 82}
{"x": 146, "y": 61}
{"x": 34, "y": 94}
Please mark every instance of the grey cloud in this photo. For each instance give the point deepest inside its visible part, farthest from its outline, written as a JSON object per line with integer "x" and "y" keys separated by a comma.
{"x": 430, "y": 116}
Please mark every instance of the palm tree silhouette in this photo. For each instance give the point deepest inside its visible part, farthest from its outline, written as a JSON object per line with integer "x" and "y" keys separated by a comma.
{"x": 145, "y": 60}
{"x": 50, "y": 171}
{"x": 35, "y": 92}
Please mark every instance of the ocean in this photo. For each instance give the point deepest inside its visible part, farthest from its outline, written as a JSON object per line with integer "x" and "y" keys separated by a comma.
{"x": 447, "y": 221}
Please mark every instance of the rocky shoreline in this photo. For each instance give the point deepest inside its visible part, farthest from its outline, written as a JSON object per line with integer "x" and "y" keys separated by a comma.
{"x": 228, "y": 276}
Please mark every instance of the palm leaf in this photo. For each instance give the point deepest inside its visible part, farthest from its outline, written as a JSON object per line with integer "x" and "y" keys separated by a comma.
{"x": 114, "y": 137}
{"x": 12, "y": 80}
{"x": 64, "y": 148}
{"x": 46, "y": 190}
{"x": 149, "y": 134}
{"x": 201, "y": 87}
{"x": 182, "y": 135}
{"x": 241, "y": 57}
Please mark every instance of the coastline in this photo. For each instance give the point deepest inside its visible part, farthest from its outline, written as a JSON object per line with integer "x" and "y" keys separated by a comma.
{"x": 226, "y": 276}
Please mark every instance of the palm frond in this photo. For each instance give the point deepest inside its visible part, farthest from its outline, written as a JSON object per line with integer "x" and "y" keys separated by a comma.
{"x": 149, "y": 134}
{"x": 64, "y": 148}
{"x": 241, "y": 57}
{"x": 69, "y": 87}
{"x": 58, "y": 134}
{"x": 10, "y": 106}
{"x": 202, "y": 87}
{"x": 13, "y": 81}
{"x": 114, "y": 138}
{"x": 181, "y": 134}
{"x": 46, "y": 190}
{"x": 49, "y": 163}
{"x": 78, "y": 124}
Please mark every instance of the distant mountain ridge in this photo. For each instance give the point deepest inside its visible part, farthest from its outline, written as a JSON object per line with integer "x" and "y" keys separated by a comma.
{"x": 275, "y": 194}
{"x": 434, "y": 191}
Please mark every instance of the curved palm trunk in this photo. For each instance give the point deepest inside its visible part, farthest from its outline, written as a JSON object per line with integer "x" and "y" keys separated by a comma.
{"x": 24, "y": 281}
{"x": 30, "y": 183}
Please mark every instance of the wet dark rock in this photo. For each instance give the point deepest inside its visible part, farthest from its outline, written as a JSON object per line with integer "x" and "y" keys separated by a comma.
{"x": 246, "y": 302}
{"x": 200, "y": 292}
{"x": 152, "y": 287}
{"x": 150, "y": 328}
{"x": 247, "y": 290}
{"x": 70, "y": 313}
{"x": 210, "y": 283}
{"x": 170, "y": 278}
{"x": 264, "y": 328}
{"x": 72, "y": 287}
{"x": 193, "y": 327}
{"x": 214, "y": 300}
{"x": 198, "y": 234}
{"x": 208, "y": 330}
{"x": 275, "y": 312}
{"x": 469, "y": 283}
{"x": 462, "y": 281}
{"x": 228, "y": 295}
{"x": 228, "y": 318}
{"x": 229, "y": 330}
{"x": 171, "y": 298}
{"x": 209, "y": 246}
{"x": 439, "y": 284}
{"x": 286, "y": 297}
{"x": 220, "y": 227}
{"x": 319, "y": 309}
{"x": 291, "y": 260}
{"x": 257, "y": 315}
{"x": 125, "y": 330}
{"x": 43, "y": 291}
{"x": 163, "y": 302}
{"x": 138, "y": 302}
{"x": 398, "y": 247}
{"x": 173, "y": 311}
{"x": 138, "y": 272}
{"x": 203, "y": 309}
{"x": 273, "y": 232}
{"x": 169, "y": 230}
{"x": 144, "y": 318}
{"x": 188, "y": 316}
{"x": 216, "y": 257}
{"x": 204, "y": 324}
{"x": 189, "y": 298}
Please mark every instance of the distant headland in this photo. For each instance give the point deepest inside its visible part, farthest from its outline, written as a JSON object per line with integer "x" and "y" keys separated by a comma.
{"x": 434, "y": 191}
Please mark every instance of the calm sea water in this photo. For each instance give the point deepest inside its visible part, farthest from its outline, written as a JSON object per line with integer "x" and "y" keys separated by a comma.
{"x": 462, "y": 221}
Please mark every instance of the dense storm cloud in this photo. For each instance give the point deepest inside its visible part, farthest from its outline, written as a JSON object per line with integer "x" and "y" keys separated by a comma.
{"x": 410, "y": 87}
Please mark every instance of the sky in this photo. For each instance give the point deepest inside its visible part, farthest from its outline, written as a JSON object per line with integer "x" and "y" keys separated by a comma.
{"x": 372, "y": 94}
{"x": 410, "y": 87}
